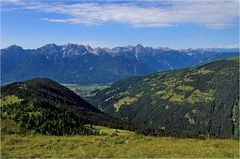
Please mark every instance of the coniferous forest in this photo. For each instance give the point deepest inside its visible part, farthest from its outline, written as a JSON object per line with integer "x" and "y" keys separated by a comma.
{"x": 46, "y": 107}
{"x": 201, "y": 101}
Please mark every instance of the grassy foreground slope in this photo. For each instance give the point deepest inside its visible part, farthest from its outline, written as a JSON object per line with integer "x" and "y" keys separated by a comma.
{"x": 127, "y": 145}
{"x": 186, "y": 102}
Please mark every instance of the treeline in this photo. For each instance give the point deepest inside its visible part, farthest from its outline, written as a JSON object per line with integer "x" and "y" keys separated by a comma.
{"x": 43, "y": 118}
{"x": 177, "y": 133}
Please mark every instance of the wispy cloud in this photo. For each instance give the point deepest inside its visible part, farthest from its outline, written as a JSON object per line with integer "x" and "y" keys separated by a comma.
{"x": 208, "y": 13}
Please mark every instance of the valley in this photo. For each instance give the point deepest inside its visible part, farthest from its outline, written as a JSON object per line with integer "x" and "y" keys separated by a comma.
{"x": 85, "y": 90}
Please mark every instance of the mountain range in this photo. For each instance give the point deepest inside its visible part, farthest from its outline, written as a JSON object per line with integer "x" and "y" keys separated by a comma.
{"x": 72, "y": 63}
{"x": 201, "y": 100}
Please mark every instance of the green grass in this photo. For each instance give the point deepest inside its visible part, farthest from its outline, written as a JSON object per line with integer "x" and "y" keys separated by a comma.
{"x": 108, "y": 131}
{"x": 185, "y": 88}
{"x": 10, "y": 127}
{"x": 124, "y": 101}
{"x": 126, "y": 145}
{"x": 203, "y": 71}
{"x": 122, "y": 146}
{"x": 11, "y": 99}
{"x": 197, "y": 97}
{"x": 177, "y": 98}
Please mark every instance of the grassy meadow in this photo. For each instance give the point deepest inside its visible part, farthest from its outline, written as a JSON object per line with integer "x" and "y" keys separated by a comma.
{"x": 125, "y": 145}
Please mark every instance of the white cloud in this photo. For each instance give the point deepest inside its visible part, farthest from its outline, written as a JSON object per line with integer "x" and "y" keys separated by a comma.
{"x": 55, "y": 20}
{"x": 11, "y": 1}
{"x": 208, "y": 13}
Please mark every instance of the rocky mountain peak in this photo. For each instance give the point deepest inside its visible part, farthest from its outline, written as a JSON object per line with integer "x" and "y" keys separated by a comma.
{"x": 73, "y": 49}
{"x": 49, "y": 49}
{"x": 14, "y": 48}
{"x": 139, "y": 48}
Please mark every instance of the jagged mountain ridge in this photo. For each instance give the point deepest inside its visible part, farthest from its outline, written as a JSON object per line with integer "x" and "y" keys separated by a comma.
{"x": 72, "y": 63}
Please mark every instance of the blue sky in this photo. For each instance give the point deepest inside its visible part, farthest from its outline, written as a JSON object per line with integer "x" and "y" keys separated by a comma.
{"x": 175, "y": 24}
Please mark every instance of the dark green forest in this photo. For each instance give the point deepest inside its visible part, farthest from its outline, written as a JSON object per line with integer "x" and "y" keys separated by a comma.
{"x": 201, "y": 101}
{"x": 46, "y": 107}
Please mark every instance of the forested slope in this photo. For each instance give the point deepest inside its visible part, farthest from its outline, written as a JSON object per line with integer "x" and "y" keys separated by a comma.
{"x": 46, "y": 107}
{"x": 197, "y": 101}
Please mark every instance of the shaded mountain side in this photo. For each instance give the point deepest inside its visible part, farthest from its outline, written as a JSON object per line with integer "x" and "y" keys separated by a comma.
{"x": 46, "y": 107}
{"x": 80, "y": 69}
{"x": 84, "y": 65}
{"x": 202, "y": 100}
{"x": 12, "y": 58}
{"x": 217, "y": 57}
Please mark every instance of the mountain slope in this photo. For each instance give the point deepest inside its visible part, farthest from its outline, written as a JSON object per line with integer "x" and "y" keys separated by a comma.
{"x": 11, "y": 58}
{"x": 84, "y": 65}
{"x": 47, "y": 107}
{"x": 217, "y": 57}
{"x": 202, "y": 100}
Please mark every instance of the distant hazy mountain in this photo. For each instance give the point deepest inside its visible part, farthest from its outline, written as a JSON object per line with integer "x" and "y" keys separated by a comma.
{"x": 202, "y": 100}
{"x": 81, "y": 64}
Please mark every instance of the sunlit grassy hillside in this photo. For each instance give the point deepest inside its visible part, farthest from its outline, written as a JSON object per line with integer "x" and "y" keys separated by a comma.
{"x": 125, "y": 145}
